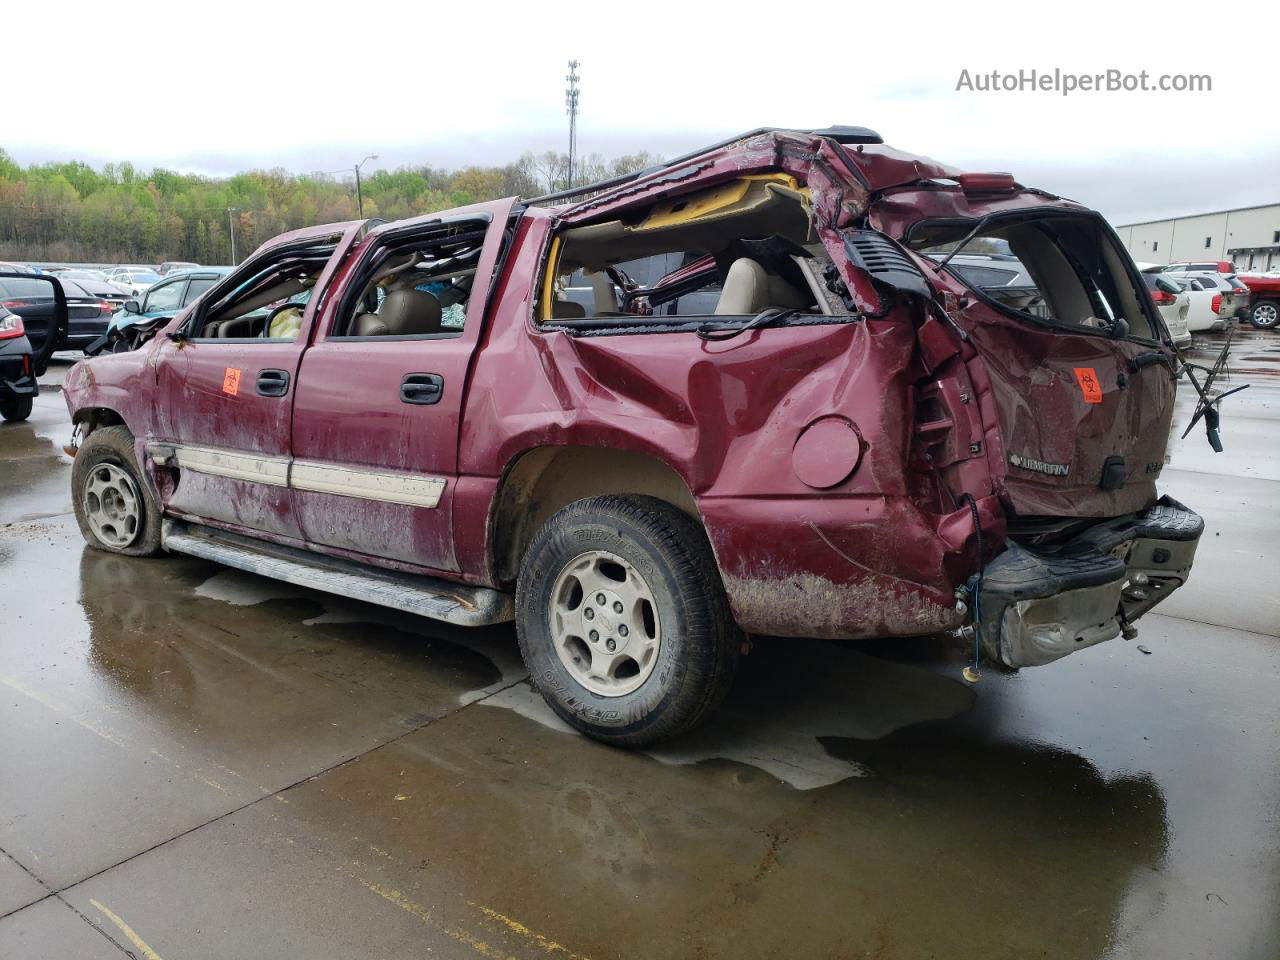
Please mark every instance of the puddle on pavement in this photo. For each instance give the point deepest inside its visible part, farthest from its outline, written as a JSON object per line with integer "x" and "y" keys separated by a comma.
{"x": 790, "y": 696}
{"x": 35, "y": 475}
{"x": 350, "y": 619}
{"x": 787, "y": 697}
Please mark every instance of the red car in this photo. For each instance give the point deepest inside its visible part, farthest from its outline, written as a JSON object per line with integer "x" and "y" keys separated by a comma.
{"x": 853, "y": 442}
{"x": 1264, "y": 299}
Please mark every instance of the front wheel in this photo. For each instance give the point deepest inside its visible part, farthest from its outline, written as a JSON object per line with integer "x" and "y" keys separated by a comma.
{"x": 1265, "y": 314}
{"x": 15, "y": 408}
{"x": 113, "y": 506}
{"x": 623, "y": 620}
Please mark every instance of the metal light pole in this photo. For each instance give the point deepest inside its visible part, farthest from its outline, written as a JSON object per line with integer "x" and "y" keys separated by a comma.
{"x": 359, "y": 194}
{"x": 571, "y": 107}
{"x": 231, "y": 228}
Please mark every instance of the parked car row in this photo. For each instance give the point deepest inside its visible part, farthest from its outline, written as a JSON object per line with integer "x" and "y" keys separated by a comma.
{"x": 33, "y": 298}
{"x": 1251, "y": 296}
{"x": 96, "y": 300}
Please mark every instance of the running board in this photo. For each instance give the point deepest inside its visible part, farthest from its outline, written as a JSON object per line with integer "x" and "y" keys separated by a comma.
{"x": 455, "y": 603}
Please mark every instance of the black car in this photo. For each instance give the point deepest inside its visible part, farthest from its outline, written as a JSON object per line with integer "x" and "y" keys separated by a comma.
{"x": 97, "y": 285}
{"x": 87, "y": 315}
{"x": 25, "y": 347}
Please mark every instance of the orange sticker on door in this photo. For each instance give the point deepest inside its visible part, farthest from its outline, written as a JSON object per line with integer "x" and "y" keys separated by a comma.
{"x": 1089, "y": 385}
{"x": 231, "y": 382}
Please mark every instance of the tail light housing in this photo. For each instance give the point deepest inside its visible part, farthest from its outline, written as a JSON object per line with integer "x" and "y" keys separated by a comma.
{"x": 11, "y": 326}
{"x": 106, "y": 306}
{"x": 1217, "y": 302}
{"x": 1162, "y": 298}
{"x": 14, "y": 304}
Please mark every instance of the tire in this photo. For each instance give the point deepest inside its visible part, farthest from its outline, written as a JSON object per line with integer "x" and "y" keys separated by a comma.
{"x": 676, "y": 643}
{"x": 107, "y": 491}
{"x": 1265, "y": 314}
{"x": 15, "y": 408}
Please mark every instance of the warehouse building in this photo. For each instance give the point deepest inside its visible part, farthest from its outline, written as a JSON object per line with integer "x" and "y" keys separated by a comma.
{"x": 1249, "y": 236}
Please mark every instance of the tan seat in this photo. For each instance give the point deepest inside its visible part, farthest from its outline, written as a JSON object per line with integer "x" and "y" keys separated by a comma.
{"x": 603, "y": 292}
{"x": 368, "y": 325}
{"x": 405, "y": 312}
{"x": 749, "y": 288}
{"x": 567, "y": 310}
{"x": 236, "y": 327}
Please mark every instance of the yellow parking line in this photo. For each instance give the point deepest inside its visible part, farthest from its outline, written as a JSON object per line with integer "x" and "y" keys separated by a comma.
{"x": 532, "y": 936}
{"x": 423, "y": 914}
{"x": 127, "y": 930}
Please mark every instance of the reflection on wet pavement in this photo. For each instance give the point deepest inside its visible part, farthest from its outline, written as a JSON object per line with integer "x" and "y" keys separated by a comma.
{"x": 226, "y": 766}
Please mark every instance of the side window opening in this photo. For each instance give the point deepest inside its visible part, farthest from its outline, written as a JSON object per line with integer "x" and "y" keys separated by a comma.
{"x": 268, "y": 300}
{"x": 416, "y": 286}
{"x": 730, "y": 251}
{"x": 1059, "y": 269}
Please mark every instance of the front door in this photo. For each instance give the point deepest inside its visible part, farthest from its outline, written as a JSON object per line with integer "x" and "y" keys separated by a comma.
{"x": 226, "y": 378}
{"x": 379, "y": 398}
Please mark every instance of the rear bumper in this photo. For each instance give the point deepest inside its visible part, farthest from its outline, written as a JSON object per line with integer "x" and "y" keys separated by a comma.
{"x": 1038, "y": 605}
{"x": 16, "y": 378}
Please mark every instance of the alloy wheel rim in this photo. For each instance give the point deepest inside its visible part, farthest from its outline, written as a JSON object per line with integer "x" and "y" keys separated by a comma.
{"x": 1266, "y": 314}
{"x": 604, "y": 623}
{"x": 112, "y": 505}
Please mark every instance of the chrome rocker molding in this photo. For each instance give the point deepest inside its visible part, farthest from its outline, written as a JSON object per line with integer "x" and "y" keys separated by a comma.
{"x": 405, "y": 488}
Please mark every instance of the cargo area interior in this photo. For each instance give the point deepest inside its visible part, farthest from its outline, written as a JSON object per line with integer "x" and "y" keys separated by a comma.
{"x": 1077, "y": 274}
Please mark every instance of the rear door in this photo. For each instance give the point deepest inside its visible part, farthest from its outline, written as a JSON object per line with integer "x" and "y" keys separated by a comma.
{"x": 226, "y": 399}
{"x": 377, "y": 414}
{"x": 42, "y": 305}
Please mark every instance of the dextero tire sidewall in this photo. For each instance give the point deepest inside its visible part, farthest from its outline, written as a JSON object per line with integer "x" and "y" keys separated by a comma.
{"x": 114, "y": 445}
{"x": 657, "y": 708}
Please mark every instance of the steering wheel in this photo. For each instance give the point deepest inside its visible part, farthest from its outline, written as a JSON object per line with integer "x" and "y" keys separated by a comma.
{"x": 266, "y": 329}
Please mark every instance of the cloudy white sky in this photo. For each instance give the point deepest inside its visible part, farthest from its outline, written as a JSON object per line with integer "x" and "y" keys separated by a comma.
{"x": 221, "y": 87}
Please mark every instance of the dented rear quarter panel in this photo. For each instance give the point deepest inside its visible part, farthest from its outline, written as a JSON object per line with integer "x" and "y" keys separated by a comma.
{"x": 858, "y": 558}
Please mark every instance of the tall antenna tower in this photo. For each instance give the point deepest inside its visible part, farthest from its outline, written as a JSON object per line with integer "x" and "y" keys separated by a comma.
{"x": 571, "y": 108}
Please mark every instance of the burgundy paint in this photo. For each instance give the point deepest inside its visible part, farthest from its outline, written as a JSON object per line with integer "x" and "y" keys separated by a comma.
{"x": 826, "y": 452}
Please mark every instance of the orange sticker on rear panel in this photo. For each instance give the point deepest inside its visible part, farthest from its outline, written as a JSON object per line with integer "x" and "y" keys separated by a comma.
{"x": 1089, "y": 385}
{"x": 231, "y": 382}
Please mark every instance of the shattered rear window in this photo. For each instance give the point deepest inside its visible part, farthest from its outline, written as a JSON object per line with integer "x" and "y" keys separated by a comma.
{"x": 1069, "y": 271}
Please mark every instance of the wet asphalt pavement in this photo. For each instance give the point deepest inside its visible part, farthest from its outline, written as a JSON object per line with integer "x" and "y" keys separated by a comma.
{"x": 199, "y": 763}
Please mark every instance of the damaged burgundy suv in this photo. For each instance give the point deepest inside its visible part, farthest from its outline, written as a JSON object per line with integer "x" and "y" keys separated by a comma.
{"x": 852, "y": 438}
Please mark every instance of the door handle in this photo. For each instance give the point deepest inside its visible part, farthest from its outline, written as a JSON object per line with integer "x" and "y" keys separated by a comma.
{"x": 424, "y": 388}
{"x": 273, "y": 383}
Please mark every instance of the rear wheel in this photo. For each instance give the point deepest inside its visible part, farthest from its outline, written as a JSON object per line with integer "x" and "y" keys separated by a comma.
{"x": 15, "y": 408}
{"x": 1265, "y": 314}
{"x": 623, "y": 621}
{"x": 113, "y": 506}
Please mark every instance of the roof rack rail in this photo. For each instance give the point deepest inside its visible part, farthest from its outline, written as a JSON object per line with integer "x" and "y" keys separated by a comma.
{"x": 838, "y": 133}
